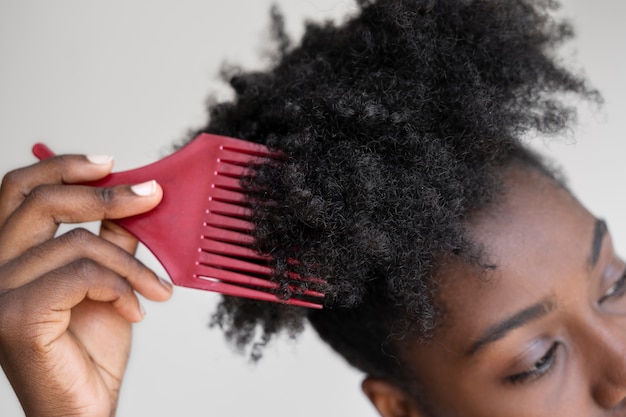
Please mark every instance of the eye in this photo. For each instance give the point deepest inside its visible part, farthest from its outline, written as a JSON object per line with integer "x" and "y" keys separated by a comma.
{"x": 617, "y": 290}
{"x": 539, "y": 368}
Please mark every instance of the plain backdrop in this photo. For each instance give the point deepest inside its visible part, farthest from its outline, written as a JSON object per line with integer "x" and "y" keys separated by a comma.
{"x": 129, "y": 77}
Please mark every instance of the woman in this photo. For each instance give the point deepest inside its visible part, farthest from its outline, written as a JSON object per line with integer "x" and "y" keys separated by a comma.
{"x": 463, "y": 276}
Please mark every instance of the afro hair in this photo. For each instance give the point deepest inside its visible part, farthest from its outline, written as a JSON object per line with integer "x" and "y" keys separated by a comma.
{"x": 395, "y": 124}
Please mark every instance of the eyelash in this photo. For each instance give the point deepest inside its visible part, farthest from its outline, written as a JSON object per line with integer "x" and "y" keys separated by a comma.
{"x": 616, "y": 291}
{"x": 539, "y": 368}
{"x": 546, "y": 363}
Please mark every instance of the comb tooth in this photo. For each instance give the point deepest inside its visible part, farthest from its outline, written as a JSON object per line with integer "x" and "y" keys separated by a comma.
{"x": 234, "y": 290}
{"x": 226, "y": 222}
{"x": 219, "y": 261}
{"x": 309, "y": 293}
{"x": 302, "y": 303}
{"x": 228, "y": 209}
{"x": 229, "y": 183}
{"x": 298, "y": 277}
{"x": 226, "y": 235}
{"x": 233, "y": 277}
{"x": 227, "y": 196}
{"x": 249, "y": 148}
{"x": 240, "y": 156}
{"x": 223, "y": 248}
{"x": 315, "y": 280}
{"x": 204, "y": 271}
{"x": 233, "y": 170}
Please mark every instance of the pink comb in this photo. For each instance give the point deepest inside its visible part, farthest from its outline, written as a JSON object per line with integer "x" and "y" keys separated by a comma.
{"x": 201, "y": 232}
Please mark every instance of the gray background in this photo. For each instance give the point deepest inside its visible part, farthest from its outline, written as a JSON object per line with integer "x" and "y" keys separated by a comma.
{"x": 128, "y": 78}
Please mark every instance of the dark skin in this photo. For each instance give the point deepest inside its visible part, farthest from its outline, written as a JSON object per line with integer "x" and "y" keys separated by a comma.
{"x": 542, "y": 334}
{"x": 67, "y": 303}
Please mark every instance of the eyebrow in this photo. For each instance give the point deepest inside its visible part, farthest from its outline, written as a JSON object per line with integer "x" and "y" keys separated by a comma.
{"x": 599, "y": 231}
{"x": 499, "y": 330}
{"x": 539, "y": 310}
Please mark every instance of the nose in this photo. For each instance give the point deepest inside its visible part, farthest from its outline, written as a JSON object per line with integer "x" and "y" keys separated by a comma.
{"x": 607, "y": 358}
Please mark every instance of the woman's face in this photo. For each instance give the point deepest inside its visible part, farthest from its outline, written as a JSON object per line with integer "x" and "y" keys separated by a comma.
{"x": 543, "y": 333}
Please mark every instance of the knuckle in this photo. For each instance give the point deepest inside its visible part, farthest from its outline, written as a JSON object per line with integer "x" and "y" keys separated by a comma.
{"x": 61, "y": 159}
{"x": 13, "y": 178}
{"x": 106, "y": 195}
{"x": 79, "y": 237}
{"x": 92, "y": 274}
{"x": 40, "y": 195}
{"x": 84, "y": 268}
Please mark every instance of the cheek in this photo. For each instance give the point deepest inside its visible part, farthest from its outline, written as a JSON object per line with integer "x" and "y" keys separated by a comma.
{"x": 480, "y": 400}
{"x": 564, "y": 392}
{"x": 459, "y": 390}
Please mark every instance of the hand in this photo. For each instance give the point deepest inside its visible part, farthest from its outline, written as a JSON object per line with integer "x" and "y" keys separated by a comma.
{"x": 67, "y": 303}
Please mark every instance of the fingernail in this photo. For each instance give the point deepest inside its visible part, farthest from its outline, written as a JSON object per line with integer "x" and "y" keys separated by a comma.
{"x": 165, "y": 283}
{"x": 142, "y": 311}
{"x": 145, "y": 189}
{"x": 100, "y": 159}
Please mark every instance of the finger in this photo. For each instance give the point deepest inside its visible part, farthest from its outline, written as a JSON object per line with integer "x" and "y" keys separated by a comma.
{"x": 74, "y": 246}
{"x": 48, "y": 300}
{"x": 66, "y": 169}
{"x": 37, "y": 218}
{"x": 119, "y": 236}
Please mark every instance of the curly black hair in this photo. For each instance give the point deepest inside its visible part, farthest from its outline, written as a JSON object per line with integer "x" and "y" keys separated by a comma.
{"x": 396, "y": 124}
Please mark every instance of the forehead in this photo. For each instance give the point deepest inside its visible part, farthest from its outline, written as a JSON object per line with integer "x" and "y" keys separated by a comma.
{"x": 535, "y": 237}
